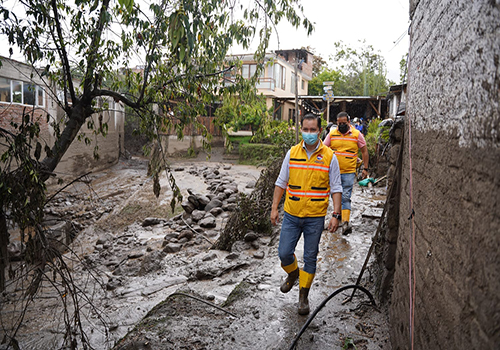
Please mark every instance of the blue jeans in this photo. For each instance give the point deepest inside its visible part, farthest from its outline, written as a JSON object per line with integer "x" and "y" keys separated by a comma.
{"x": 291, "y": 229}
{"x": 347, "y": 183}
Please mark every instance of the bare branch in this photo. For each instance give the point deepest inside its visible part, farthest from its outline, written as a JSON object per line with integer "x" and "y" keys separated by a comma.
{"x": 62, "y": 52}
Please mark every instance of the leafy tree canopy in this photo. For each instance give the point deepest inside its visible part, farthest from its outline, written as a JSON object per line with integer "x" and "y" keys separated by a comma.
{"x": 237, "y": 113}
{"x": 357, "y": 72}
{"x": 182, "y": 44}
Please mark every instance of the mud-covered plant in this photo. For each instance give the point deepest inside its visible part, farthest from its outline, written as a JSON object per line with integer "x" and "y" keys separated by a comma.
{"x": 253, "y": 210}
{"x": 22, "y": 200}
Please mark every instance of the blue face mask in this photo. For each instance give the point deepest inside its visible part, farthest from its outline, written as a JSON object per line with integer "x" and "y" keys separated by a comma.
{"x": 310, "y": 138}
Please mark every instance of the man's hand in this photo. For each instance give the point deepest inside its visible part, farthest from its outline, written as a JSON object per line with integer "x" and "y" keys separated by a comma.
{"x": 364, "y": 174}
{"x": 333, "y": 225}
{"x": 275, "y": 217}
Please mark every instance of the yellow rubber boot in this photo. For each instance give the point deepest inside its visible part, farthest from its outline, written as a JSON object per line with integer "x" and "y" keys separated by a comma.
{"x": 293, "y": 273}
{"x": 305, "y": 282}
{"x": 346, "y": 215}
{"x": 345, "y": 226}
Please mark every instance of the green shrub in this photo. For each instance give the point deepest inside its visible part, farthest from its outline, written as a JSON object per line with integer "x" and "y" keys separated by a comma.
{"x": 257, "y": 152}
{"x": 280, "y": 134}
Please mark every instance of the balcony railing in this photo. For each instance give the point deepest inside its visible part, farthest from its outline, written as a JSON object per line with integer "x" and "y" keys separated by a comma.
{"x": 266, "y": 84}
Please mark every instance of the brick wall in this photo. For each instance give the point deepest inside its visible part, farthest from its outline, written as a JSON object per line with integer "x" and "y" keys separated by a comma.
{"x": 453, "y": 102}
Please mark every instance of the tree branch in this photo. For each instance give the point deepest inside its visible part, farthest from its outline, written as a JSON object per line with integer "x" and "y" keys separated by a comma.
{"x": 198, "y": 76}
{"x": 94, "y": 46}
{"x": 63, "y": 54}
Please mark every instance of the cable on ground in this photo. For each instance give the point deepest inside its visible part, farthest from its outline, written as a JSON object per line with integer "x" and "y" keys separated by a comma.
{"x": 315, "y": 312}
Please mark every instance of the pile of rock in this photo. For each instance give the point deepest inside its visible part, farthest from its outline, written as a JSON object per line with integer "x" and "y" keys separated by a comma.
{"x": 187, "y": 230}
{"x": 223, "y": 197}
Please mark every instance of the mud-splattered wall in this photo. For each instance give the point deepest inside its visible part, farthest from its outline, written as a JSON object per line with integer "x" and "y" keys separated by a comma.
{"x": 453, "y": 103}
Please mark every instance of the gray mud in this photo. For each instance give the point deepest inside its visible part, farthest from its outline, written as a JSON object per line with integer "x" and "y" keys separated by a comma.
{"x": 134, "y": 275}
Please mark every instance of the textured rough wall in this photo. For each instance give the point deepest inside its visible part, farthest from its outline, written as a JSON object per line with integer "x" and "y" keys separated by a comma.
{"x": 455, "y": 70}
{"x": 453, "y": 103}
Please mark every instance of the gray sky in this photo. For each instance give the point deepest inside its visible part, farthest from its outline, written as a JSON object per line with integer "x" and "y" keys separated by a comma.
{"x": 382, "y": 23}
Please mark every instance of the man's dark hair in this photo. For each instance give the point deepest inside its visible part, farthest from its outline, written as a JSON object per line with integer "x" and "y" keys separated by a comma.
{"x": 344, "y": 114}
{"x": 312, "y": 117}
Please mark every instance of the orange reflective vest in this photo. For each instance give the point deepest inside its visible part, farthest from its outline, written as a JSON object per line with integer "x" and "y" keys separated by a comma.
{"x": 345, "y": 148}
{"x": 309, "y": 182}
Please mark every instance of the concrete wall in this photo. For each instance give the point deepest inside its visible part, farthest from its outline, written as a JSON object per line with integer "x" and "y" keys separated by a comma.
{"x": 79, "y": 157}
{"x": 453, "y": 103}
{"x": 176, "y": 147}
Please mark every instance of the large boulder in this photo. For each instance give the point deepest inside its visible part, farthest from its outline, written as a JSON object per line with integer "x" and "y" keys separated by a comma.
{"x": 188, "y": 206}
{"x": 207, "y": 222}
{"x": 197, "y": 215}
{"x": 214, "y": 203}
{"x": 172, "y": 248}
{"x": 216, "y": 211}
{"x": 193, "y": 200}
{"x": 203, "y": 200}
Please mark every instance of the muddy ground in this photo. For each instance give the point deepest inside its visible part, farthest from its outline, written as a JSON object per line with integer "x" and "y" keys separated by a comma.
{"x": 129, "y": 267}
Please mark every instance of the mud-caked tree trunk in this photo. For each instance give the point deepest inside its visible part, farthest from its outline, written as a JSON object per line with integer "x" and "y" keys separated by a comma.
{"x": 77, "y": 118}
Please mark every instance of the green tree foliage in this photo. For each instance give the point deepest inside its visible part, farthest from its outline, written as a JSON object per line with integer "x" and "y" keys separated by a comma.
{"x": 357, "y": 72}
{"x": 316, "y": 84}
{"x": 182, "y": 43}
{"x": 363, "y": 69}
{"x": 236, "y": 113}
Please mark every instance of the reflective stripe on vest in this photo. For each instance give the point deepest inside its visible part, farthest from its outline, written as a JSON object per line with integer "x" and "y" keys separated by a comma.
{"x": 345, "y": 149}
{"x": 309, "y": 182}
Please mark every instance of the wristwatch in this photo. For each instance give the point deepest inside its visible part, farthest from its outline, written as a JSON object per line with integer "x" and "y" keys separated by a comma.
{"x": 337, "y": 216}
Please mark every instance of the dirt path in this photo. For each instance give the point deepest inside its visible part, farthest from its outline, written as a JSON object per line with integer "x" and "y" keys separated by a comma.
{"x": 136, "y": 276}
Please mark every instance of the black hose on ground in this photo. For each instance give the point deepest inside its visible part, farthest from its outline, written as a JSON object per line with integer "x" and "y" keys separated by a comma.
{"x": 309, "y": 320}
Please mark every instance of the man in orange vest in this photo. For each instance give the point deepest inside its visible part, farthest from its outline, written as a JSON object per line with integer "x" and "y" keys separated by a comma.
{"x": 309, "y": 175}
{"x": 345, "y": 141}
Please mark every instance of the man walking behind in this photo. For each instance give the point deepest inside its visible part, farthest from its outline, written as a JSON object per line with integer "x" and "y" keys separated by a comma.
{"x": 345, "y": 141}
{"x": 309, "y": 174}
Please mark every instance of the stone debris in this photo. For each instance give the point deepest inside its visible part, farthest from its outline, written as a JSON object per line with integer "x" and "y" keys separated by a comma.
{"x": 152, "y": 221}
{"x": 259, "y": 255}
{"x": 250, "y": 236}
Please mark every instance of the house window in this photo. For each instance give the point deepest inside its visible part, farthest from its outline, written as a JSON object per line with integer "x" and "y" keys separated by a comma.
{"x": 280, "y": 76}
{"x": 302, "y": 84}
{"x": 248, "y": 70}
{"x": 17, "y": 91}
{"x": 277, "y": 110}
{"x": 283, "y": 80}
{"x": 21, "y": 92}
{"x": 40, "y": 100}
{"x": 4, "y": 90}
{"x": 29, "y": 91}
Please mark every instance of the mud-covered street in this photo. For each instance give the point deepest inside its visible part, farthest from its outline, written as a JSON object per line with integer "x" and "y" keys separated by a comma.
{"x": 132, "y": 253}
